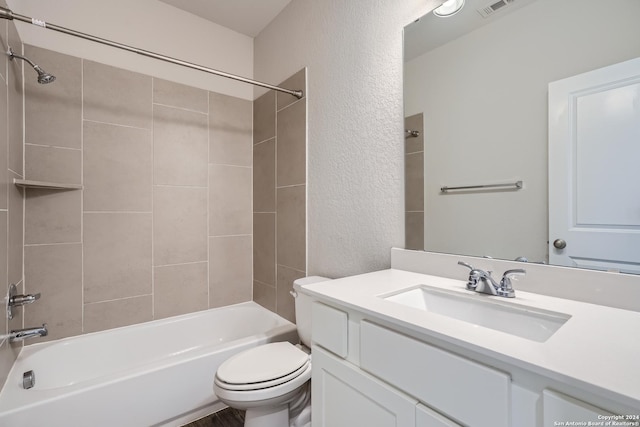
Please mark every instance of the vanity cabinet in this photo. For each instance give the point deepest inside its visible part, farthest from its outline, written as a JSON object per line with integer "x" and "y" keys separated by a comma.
{"x": 368, "y": 373}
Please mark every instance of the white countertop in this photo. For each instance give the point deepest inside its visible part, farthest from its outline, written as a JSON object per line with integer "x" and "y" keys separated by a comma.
{"x": 598, "y": 348}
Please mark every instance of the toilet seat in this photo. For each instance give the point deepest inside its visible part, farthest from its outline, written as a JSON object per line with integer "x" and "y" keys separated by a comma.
{"x": 261, "y": 367}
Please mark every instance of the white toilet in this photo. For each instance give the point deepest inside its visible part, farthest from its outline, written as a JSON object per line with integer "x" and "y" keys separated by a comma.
{"x": 271, "y": 382}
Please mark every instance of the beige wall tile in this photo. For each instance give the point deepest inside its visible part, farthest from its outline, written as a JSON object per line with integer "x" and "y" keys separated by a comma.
{"x": 179, "y": 225}
{"x": 230, "y": 265}
{"x": 4, "y": 45}
{"x": 14, "y": 86}
{"x": 113, "y": 314}
{"x": 52, "y": 216}
{"x": 295, "y": 82}
{"x": 18, "y": 317}
{"x": 264, "y": 176}
{"x": 265, "y": 295}
{"x": 117, "y": 168}
{"x": 117, "y": 255}
{"x": 15, "y": 236}
{"x": 53, "y": 112}
{"x": 114, "y": 95}
{"x": 180, "y": 147}
{"x": 179, "y": 95}
{"x": 264, "y": 117}
{"x": 285, "y": 304}
{"x": 291, "y": 227}
{"x": 230, "y": 200}
{"x": 291, "y": 145}
{"x": 4, "y": 282}
{"x": 180, "y": 289}
{"x": 414, "y": 144}
{"x": 264, "y": 248}
{"x": 56, "y": 272}
{"x": 414, "y": 182}
{"x": 4, "y": 144}
{"x": 53, "y": 164}
{"x": 414, "y": 230}
{"x": 230, "y": 130}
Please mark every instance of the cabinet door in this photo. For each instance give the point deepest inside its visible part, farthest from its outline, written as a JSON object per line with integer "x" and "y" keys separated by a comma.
{"x": 426, "y": 417}
{"x": 344, "y": 396}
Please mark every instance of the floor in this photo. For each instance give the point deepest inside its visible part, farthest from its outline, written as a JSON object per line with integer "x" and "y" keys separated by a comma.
{"x": 226, "y": 418}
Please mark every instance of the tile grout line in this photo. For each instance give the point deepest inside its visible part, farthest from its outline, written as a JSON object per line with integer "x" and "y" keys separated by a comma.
{"x": 208, "y": 200}
{"x": 53, "y": 146}
{"x": 275, "y": 191}
{"x": 153, "y": 254}
{"x": 82, "y": 314}
{"x": 182, "y": 108}
{"x": 113, "y": 124}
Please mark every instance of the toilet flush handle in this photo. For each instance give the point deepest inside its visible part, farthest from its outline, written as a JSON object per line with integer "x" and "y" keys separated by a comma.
{"x": 294, "y": 294}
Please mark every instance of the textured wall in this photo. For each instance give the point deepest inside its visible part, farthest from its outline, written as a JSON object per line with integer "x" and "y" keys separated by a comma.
{"x": 353, "y": 52}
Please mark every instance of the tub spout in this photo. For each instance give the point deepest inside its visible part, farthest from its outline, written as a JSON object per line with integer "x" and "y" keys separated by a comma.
{"x": 22, "y": 334}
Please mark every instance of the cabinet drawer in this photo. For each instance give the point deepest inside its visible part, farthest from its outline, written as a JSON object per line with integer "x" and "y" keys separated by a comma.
{"x": 330, "y": 328}
{"x": 557, "y": 407}
{"x": 425, "y": 417}
{"x": 470, "y": 393}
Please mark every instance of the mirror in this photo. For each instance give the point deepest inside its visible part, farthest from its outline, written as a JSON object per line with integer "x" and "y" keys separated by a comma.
{"x": 476, "y": 90}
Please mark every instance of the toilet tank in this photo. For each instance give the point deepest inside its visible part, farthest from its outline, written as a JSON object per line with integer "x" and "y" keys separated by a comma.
{"x": 303, "y": 307}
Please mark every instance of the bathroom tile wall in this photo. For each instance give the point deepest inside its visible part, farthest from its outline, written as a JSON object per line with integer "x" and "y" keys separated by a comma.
{"x": 11, "y": 197}
{"x": 163, "y": 224}
{"x": 414, "y": 183}
{"x": 279, "y": 196}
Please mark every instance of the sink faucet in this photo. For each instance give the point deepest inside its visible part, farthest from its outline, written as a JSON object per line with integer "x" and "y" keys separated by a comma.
{"x": 481, "y": 281}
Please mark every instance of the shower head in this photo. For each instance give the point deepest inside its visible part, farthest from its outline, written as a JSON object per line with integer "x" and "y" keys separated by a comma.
{"x": 43, "y": 77}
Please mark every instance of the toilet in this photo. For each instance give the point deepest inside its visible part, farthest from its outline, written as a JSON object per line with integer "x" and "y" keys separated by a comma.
{"x": 271, "y": 382}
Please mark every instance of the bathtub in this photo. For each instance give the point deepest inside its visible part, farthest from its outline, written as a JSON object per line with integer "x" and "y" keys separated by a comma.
{"x": 158, "y": 373}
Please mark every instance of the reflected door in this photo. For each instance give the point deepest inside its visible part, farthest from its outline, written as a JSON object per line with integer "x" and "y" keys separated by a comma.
{"x": 594, "y": 169}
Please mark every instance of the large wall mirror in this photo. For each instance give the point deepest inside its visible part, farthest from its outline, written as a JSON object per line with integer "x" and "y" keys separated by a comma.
{"x": 478, "y": 90}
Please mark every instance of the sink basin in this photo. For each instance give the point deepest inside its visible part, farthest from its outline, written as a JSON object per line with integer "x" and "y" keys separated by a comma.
{"x": 515, "y": 319}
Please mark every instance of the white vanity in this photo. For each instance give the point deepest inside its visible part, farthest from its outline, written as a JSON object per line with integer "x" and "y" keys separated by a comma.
{"x": 399, "y": 348}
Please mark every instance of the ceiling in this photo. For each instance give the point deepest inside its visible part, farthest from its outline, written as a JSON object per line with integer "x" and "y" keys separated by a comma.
{"x": 248, "y": 17}
{"x": 430, "y": 31}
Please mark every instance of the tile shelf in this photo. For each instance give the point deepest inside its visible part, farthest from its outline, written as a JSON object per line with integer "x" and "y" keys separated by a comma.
{"x": 27, "y": 183}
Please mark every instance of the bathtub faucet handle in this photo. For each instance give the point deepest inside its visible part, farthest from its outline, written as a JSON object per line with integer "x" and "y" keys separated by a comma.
{"x": 15, "y": 300}
{"x": 23, "y": 299}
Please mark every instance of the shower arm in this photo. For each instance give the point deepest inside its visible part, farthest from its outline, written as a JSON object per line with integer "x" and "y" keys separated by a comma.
{"x": 9, "y": 15}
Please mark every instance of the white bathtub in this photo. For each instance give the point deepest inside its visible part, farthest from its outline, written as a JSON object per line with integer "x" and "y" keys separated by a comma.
{"x": 157, "y": 373}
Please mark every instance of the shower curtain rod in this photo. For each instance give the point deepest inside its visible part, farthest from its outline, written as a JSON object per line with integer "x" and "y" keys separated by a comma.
{"x": 9, "y": 15}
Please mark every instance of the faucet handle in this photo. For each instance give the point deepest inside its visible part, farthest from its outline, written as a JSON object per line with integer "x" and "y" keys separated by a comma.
{"x": 469, "y": 266}
{"x": 506, "y": 287}
{"x": 474, "y": 275}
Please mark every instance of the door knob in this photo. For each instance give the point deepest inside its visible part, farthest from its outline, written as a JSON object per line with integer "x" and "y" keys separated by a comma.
{"x": 559, "y": 244}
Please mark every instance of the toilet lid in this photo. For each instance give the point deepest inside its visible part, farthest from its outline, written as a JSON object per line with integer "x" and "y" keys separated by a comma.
{"x": 263, "y": 363}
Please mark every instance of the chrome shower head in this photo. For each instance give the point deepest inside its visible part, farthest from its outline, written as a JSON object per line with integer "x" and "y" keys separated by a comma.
{"x": 43, "y": 77}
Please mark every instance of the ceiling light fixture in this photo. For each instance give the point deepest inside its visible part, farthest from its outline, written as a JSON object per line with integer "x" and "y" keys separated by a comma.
{"x": 449, "y": 8}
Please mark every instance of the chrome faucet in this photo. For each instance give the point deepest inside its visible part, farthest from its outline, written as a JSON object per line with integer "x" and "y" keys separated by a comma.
{"x": 481, "y": 281}
{"x": 22, "y": 334}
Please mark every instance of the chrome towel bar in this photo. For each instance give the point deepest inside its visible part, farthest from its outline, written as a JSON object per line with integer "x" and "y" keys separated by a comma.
{"x": 516, "y": 185}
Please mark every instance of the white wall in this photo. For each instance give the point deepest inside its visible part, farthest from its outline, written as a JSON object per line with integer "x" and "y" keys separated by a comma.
{"x": 353, "y": 51}
{"x": 484, "y": 99}
{"x": 144, "y": 24}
